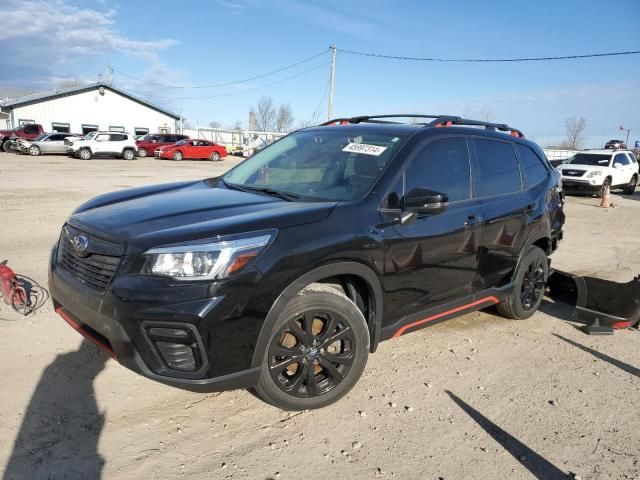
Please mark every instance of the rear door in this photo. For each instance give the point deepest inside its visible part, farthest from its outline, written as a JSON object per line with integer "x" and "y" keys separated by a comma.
{"x": 504, "y": 207}
{"x": 433, "y": 260}
{"x": 54, "y": 144}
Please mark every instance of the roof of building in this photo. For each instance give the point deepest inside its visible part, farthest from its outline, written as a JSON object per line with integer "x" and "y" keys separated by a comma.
{"x": 65, "y": 92}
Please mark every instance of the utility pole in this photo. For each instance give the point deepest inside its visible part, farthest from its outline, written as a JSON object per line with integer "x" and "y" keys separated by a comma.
{"x": 331, "y": 82}
{"x": 107, "y": 73}
{"x": 627, "y": 142}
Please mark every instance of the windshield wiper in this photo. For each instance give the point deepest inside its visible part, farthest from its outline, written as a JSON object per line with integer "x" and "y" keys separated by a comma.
{"x": 289, "y": 197}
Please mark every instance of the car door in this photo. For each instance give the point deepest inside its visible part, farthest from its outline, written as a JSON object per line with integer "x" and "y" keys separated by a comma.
{"x": 622, "y": 169}
{"x": 101, "y": 143}
{"x": 432, "y": 260}
{"x": 54, "y": 144}
{"x": 504, "y": 207}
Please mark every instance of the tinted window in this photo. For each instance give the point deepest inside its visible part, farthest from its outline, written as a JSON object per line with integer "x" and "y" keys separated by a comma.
{"x": 30, "y": 129}
{"x": 534, "y": 171}
{"x": 443, "y": 166}
{"x": 56, "y": 138}
{"x": 621, "y": 159}
{"x": 497, "y": 170}
{"x": 632, "y": 157}
{"x": 118, "y": 137}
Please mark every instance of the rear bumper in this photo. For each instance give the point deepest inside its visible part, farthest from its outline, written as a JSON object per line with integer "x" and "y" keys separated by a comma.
{"x": 122, "y": 331}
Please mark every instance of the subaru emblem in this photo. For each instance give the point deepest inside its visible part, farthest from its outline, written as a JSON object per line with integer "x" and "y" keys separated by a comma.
{"x": 80, "y": 243}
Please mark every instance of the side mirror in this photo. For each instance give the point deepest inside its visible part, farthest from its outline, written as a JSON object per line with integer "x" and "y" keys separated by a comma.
{"x": 616, "y": 165}
{"x": 423, "y": 200}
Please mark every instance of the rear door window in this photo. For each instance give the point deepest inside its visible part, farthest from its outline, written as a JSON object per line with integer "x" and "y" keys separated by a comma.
{"x": 497, "y": 169}
{"x": 443, "y": 166}
{"x": 532, "y": 166}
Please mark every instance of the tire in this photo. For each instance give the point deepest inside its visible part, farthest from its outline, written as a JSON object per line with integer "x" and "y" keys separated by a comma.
{"x": 34, "y": 150}
{"x": 128, "y": 154}
{"x": 321, "y": 371}
{"x": 142, "y": 152}
{"x": 631, "y": 186}
{"x": 607, "y": 181}
{"x": 530, "y": 280}
{"x": 6, "y": 146}
{"x": 84, "y": 154}
{"x": 214, "y": 157}
{"x": 177, "y": 156}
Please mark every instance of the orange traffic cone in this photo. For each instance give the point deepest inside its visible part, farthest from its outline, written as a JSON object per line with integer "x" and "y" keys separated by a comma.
{"x": 606, "y": 197}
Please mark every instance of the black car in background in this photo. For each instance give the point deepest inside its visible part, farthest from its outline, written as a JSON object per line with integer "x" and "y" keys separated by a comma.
{"x": 286, "y": 273}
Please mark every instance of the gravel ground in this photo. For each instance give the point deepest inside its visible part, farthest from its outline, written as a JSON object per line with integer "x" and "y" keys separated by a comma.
{"x": 477, "y": 397}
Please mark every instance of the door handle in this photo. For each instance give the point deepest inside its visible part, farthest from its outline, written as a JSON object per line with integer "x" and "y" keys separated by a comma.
{"x": 530, "y": 208}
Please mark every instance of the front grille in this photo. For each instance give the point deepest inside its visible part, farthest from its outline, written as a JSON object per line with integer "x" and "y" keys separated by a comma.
{"x": 573, "y": 173}
{"x": 96, "y": 265}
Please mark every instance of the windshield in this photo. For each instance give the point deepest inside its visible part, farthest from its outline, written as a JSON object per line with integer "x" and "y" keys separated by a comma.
{"x": 90, "y": 135}
{"x": 595, "y": 159}
{"x": 42, "y": 136}
{"x": 329, "y": 165}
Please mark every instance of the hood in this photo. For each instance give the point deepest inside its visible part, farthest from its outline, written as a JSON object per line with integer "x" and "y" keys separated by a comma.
{"x": 161, "y": 214}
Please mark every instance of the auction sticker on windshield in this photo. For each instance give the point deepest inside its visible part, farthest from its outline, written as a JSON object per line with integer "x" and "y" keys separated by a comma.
{"x": 364, "y": 148}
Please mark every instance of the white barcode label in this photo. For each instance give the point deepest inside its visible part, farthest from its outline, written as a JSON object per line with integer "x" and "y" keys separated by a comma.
{"x": 364, "y": 148}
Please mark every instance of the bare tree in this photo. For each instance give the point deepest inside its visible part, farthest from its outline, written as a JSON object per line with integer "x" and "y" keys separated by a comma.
{"x": 575, "y": 131}
{"x": 215, "y": 124}
{"x": 284, "y": 118}
{"x": 265, "y": 114}
{"x": 237, "y": 125}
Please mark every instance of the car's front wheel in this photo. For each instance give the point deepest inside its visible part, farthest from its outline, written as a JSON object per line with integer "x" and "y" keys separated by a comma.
{"x": 85, "y": 154}
{"x": 177, "y": 156}
{"x": 529, "y": 285}
{"x": 34, "y": 150}
{"x": 6, "y": 146}
{"x": 317, "y": 350}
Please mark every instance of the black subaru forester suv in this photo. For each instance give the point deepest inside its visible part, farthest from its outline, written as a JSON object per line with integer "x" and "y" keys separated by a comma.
{"x": 285, "y": 273}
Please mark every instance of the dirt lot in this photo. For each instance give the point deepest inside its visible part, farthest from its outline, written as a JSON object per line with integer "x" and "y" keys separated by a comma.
{"x": 477, "y": 397}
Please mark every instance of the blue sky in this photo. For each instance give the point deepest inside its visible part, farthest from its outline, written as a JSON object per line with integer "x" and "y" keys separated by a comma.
{"x": 195, "y": 43}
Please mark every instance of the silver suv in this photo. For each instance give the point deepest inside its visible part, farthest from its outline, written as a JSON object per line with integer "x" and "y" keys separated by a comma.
{"x": 103, "y": 144}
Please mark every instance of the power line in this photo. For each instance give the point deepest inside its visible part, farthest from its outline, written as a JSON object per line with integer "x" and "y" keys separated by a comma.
{"x": 487, "y": 60}
{"x": 225, "y": 84}
{"x": 324, "y": 95}
{"x": 247, "y": 89}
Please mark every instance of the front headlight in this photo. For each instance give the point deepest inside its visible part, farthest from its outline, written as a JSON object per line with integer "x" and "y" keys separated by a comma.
{"x": 206, "y": 261}
{"x": 595, "y": 173}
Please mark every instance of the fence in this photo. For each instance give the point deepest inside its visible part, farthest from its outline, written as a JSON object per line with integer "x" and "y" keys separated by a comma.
{"x": 558, "y": 154}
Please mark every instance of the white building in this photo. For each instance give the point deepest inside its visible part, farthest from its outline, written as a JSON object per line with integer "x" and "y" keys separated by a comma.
{"x": 98, "y": 106}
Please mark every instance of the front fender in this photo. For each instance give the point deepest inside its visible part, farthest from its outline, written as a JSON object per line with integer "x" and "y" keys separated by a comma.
{"x": 325, "y": 271}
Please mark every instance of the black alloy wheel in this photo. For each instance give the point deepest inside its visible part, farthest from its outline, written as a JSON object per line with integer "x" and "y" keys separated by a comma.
{"x": 316, "y": 351}
{"x": 312, "y": 353}
{"x": 533, "y": 284}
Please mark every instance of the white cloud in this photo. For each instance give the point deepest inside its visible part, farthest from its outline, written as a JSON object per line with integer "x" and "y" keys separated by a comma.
{"x": 41, "y": 37}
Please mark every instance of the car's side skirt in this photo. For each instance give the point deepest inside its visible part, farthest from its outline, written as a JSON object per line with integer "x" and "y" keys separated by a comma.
{"x": 447, "y": 311}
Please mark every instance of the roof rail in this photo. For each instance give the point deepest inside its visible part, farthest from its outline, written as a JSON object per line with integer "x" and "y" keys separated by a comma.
{"x": 436, "y": 121}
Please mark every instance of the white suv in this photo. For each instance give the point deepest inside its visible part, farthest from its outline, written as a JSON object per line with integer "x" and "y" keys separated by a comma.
{"x": 107, "y": 144}
{"x": 589, "y": 171}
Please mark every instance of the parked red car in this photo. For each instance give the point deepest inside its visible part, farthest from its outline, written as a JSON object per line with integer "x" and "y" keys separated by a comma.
{"x": 28, "y": 131}
{"x": 192, "y": 149}
{"x": 148, "y": 144}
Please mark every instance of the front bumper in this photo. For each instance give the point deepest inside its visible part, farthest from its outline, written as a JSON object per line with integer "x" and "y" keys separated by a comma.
{"x": 120, "y": 326}
{"x": 584, "y": 186}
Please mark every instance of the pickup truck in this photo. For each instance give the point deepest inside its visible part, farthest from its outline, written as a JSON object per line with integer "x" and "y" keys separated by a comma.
{"x": 27, "y": 131}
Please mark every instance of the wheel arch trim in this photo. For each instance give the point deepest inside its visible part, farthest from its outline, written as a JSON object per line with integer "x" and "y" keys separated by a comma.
{"x": 333, "y": 269}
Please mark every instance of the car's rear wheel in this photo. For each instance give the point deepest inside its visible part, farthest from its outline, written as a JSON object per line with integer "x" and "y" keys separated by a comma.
{"x": 142, "y": 152}
{"x": 129, "y": 154}
{"x": 177, "y": 156}
{"x": 317, "y": 351}
{"x": 85, "y": 154}
{"x": 631, "y": 187}
{"x": 6, "y": 146}
{"x": 214, "y": 157}
{"x": 529, "y": 285}
{"x": 34, "y": 150}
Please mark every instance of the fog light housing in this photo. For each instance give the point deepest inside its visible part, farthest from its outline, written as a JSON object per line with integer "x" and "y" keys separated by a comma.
{"x": 178, "y": 347}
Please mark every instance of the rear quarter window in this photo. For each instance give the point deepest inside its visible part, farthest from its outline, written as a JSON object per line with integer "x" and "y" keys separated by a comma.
{"x": 532, "y": 166}
{"x": 497, "y": 168}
